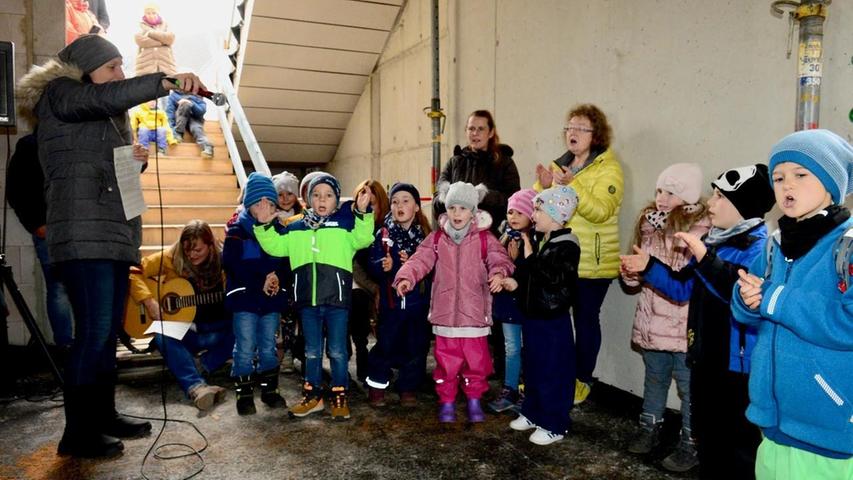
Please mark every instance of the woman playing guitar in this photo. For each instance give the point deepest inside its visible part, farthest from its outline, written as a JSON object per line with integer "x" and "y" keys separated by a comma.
{"x": 196, "y": 258}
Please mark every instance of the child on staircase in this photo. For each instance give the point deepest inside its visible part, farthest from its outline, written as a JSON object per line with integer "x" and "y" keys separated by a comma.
{"x": 321, "y": 246}
{"x": 150, "y": 125}
{"x": 469, "y": 265}
{"x": 660, "y": 324}
{"x": 256, "y": 294}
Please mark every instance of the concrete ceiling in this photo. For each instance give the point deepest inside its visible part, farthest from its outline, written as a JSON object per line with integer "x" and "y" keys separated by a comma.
{"x": 306, "y": 63}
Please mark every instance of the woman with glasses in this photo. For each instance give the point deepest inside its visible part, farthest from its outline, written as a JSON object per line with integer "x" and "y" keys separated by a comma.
{"x": 484, "y": 160}
{"x": 592, "y": 169}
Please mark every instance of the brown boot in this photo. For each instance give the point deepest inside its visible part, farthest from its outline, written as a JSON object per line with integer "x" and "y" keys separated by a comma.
{"x": 376, "y": 397}
{"x": 408, "y": 399}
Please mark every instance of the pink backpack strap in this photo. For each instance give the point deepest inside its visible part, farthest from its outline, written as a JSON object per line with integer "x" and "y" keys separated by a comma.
{"x": 484, "y": 244}
{"x": 436, "y": 239}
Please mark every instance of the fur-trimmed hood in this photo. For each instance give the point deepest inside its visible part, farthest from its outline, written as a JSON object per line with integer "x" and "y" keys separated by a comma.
{"x": 31, "y": 87}
{"x": 482, "y": 220}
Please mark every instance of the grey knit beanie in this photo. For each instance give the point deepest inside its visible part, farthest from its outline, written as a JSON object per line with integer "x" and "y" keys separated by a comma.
{"x": 89, "y": 52}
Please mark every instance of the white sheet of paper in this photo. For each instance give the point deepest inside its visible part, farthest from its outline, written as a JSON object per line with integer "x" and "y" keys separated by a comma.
{"x": 176, "y": 330}
{"x": 129, "y": 184}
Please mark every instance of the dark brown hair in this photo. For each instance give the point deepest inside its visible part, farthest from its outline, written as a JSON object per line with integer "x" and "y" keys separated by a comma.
{"x": 602, "y": 134}
{"x": 495, "y": 141}
{"x": 381, "y": 199}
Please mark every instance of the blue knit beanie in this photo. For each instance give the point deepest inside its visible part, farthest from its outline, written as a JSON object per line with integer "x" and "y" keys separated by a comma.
{"x": 828, "y": 156}
{"x": 406, "y": 187}
{"x": 258, "y": 187}
{"x": 328, "y": 180}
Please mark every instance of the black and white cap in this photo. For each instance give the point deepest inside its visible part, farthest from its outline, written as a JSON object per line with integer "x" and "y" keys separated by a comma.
{"x": 748, "y": 188}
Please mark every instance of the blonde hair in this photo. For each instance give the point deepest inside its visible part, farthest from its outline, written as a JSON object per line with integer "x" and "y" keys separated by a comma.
{"x": 680, "y": 219}
{"x": 209, "y": 273}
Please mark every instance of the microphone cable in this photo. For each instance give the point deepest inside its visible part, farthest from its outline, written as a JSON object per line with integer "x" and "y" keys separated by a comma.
{"x": 158, "y": 452}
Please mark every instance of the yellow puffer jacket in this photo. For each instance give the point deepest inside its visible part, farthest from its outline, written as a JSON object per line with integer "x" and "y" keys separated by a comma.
{"x": 596, "y": 222}
{"x": 143, "y": 115}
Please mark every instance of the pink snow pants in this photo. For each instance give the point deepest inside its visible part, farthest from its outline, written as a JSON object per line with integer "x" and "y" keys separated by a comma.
{"x": 465, "y": 357}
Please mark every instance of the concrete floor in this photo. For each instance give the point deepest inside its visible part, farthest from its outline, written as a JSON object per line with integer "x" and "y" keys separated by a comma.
{"x": 390, "y": 443}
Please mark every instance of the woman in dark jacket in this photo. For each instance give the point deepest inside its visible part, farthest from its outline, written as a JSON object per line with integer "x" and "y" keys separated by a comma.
{"x": 485, "y": 160}
{"x": 80, "y": 104}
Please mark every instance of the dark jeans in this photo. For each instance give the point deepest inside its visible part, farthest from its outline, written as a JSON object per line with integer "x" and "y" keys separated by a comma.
{"x": 586, "y": 309}
{"x": 215, "y": 339}
{"x": 403, "y": 342}
{"x": 361, "y": 310}
{"x": 725, "y": 440}
{"x": 97, "y": 290}
{"x": 548, "y": 360}
{"x": 58, "y": 305}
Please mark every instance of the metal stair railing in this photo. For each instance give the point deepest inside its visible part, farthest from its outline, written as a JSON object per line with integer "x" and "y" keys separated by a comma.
{"x": 238, "y": 115}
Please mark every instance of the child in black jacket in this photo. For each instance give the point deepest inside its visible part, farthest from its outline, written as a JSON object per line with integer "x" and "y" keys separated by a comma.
{"x": 544, "y": 285}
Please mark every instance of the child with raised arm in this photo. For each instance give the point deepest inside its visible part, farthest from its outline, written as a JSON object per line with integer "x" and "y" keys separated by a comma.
{"x": 505, "y": 311}
{"x": 469, "y": 265}
{"x": 718, "y": 348}
{"x": 660, "y": 325}
{"x": 545, "y": 285}
{"x": 797, "y": 295}
{"x": 321, "y": 246}
{"x": 403, "y": 336}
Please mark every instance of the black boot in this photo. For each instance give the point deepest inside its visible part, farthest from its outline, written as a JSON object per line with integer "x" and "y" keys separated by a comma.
{"x": 245, "y": 395}
{"x": 269, "y": 389}
{"x": 112, "y": 422}
{"x": 81, "y": 437}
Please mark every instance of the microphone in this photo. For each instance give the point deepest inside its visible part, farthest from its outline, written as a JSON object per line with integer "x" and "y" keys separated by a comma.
{"x": 218, "y": 99}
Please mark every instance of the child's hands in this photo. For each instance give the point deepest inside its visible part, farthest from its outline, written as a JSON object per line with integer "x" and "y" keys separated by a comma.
{"x": 496, "y": 283}
{"x": 509, "y": 284}
{"x": 404, "y": 255}
{"x": 363, "y": 199}
{"x": 271, "y": 286}
{"x": 527, "y": 244}
{"x": 694, "y": 244}
{"x": 403, "y": 288}
{"x": 750, "y": 289}
{"x": 512, "y": 248}
{"x": 264, "y": 211}
{"x": 544, "y": 175}
{"x": 387, "y": 263}
{"x": 635, "y": 263}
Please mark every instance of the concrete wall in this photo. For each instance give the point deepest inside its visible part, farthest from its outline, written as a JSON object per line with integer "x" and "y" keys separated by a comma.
{"x": 705, "y": 82}
{"x": 38, "y": 29}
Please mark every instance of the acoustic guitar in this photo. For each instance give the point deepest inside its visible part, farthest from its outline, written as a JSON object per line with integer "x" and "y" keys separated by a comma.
{"x": 178, "y": 301}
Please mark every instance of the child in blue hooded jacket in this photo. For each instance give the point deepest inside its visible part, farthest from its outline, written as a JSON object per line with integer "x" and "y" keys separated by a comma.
{"x": 254, "y": 293}
{"x": 801, "y": 387}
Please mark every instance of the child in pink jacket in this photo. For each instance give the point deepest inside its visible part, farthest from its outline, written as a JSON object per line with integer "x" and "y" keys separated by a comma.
{"x": 660, "y": 325}
{"x": 470, "y": 264}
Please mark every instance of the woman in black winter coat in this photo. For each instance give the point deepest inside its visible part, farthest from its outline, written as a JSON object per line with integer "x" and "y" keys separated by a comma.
{"x": 80, "y": 104}
{"x": 485, "y": 160}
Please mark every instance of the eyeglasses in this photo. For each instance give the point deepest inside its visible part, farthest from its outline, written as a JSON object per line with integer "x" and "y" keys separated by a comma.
{"x": 577, "y": 128}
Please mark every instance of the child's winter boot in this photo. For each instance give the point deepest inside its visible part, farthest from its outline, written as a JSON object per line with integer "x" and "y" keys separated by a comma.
{"x": 475, "y": 411}
{"x": 269, "y": 389}
{"x": 340, "y": 404}
{"x": 684, "y": 457}
{"x": 311, "y": 402}
{"x": 649, "y": 436}
{"x": 376, "y": 397}
{"x": 245, "y": 390}
{"x": 447, "y": 412}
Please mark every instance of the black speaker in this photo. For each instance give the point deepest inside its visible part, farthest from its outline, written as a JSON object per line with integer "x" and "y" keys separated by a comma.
{"x": 7, "y": 84}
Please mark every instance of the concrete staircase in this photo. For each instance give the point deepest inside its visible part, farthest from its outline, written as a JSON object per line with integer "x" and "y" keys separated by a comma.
{"x": 190, "y": 187}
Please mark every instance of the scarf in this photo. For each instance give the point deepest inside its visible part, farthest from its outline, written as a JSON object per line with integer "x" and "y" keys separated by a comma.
{"x": 405, "y": 240}
{"x": 799, "y": 237}
{"x": 313, "y": 219}
{"x": 718, "y": 236}
{"x": 156, "y": 22}
{"x": 457, "y": 235}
